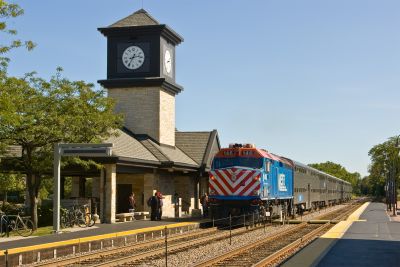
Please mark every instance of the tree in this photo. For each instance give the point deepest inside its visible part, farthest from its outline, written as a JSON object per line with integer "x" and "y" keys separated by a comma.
{"x": 8, "y": 11}
{"x": 10, "y": 182}
{"x": 339, "y": 171}
{"x": 384, "y": 158}
{"x": 35, "y": 114}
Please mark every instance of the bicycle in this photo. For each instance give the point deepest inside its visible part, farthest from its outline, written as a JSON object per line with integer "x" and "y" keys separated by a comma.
{"x": 4, "y": 228}
{"x": 89, "y": 217}
{"x": 74, "y": 216}
{"x": 22, "y": 225}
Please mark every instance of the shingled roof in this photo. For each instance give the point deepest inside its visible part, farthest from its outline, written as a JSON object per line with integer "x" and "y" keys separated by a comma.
{"x": 192, "y": 148}
{"x": 139, "y": 18}
{"x": 200, "y": 146}
{"x": 193, "y": 143}
{"x": 125, "y": 145}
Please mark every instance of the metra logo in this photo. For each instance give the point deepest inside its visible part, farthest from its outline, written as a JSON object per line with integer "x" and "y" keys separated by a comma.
{"x": 234, "y": 177}
{"x": 282, "y": 183}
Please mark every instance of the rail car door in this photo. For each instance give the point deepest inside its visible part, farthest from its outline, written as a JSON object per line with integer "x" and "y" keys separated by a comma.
{"x": 309, "y": 196}
{"x": 341, "y": 191}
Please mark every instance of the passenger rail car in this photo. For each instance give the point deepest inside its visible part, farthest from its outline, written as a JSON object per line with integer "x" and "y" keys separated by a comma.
{"x": 245, "y": 179}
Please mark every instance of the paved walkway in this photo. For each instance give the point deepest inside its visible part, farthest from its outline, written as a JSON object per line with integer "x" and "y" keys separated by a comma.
{"x": 373, "y": 239}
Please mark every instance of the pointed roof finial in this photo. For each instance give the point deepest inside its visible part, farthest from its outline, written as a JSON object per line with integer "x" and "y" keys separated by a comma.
{"x": 138, "y": 18}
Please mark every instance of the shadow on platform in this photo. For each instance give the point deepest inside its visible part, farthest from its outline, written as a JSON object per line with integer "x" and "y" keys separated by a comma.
{"x": 359, "y": 252}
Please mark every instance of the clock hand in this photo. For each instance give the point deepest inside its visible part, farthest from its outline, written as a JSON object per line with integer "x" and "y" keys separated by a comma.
{"x": 132, "y": 58}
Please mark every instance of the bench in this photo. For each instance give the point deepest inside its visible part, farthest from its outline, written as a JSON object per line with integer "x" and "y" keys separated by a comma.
{"x": 141, "y": 214}
{"x": 123, "y": 217}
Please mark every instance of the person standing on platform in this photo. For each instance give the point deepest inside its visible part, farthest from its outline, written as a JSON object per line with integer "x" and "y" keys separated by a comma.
{"x": 160, "y": 205}
{"x": 204, "y": 204}
{"x": 154, "y": 205}
{"x": 132, "y": 202}
{"x": 132, "y": 205}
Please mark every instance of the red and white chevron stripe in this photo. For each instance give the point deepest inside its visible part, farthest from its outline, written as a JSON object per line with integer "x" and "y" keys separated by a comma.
{"x": 234, "y": 182}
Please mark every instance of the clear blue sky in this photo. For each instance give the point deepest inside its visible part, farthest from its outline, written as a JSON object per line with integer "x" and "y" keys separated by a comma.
{"x": 310, "y": 80}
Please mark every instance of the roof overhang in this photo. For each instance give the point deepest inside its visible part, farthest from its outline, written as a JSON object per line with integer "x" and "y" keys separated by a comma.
{"x": 126, "y": 82}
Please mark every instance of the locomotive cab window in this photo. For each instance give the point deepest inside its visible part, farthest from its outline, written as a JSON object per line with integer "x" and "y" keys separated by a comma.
{"x": 256, "y": 163}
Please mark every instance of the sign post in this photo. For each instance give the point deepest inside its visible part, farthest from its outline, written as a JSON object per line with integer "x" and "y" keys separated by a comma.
{"x": 72, "y": 150}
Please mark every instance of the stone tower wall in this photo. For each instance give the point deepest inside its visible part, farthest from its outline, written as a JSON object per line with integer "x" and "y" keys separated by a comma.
{"x": 148, "y": 111}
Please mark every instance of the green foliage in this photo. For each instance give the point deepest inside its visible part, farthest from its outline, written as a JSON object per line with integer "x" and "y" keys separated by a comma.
{"x": 11, "y": 182}
{"x": 339, "y": 171}
{"x": 9, "y": 11}
{"x": 67, "y": 187}
{"x": 46, "y": 187}
{"x": 384, "y": 158}
{"x": 36, "y": 113}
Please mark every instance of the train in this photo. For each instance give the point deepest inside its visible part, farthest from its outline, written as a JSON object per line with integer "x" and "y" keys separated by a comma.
{"x": 245, "y": 179}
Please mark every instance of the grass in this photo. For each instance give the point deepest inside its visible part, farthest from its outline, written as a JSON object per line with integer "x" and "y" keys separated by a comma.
{"x": 47, "y": 230}
{"x": 41, "y": 231}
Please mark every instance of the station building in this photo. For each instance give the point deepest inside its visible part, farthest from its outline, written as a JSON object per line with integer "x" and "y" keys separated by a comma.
{"x": 149, "y": 154}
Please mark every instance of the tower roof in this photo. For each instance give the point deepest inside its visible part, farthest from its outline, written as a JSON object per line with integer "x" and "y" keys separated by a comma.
{"x": 138, "y": 18}
{"x": 141, "y": 22}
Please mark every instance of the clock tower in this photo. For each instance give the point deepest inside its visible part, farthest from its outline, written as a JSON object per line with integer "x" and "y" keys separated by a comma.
{"x": 141, "y": 74}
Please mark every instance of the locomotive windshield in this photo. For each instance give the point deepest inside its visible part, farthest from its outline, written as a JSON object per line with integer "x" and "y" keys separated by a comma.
{"x": 256, "y": 163}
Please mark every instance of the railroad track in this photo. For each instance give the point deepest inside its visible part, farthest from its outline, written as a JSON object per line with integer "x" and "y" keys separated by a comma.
{"x": 145, "y": 250}
{"x": 296, "y": 232}
{"x": 141, "y": 252}
{"x": 273, "y": 250}
{"x": 134, "y": 258}
{"x": 94, "y": 257}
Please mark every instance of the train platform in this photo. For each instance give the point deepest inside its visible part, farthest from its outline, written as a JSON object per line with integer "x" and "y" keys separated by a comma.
{"x": 101, "y": 233}
{"x": 369, "y": 237}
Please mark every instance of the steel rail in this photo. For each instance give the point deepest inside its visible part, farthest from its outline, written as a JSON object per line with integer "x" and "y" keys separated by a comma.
{"x": 174, "y": 248}
{"x": 102, "y": 254}
{"x": 80, "y": 258}
{"x": 275, "y": 257}
{"x": 303, "y": 240}
{"x": 235, "y": 252}
{"x": 279, "y": 253}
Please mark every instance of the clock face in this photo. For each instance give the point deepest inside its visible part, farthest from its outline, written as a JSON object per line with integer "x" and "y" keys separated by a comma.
{"x": 168, "y": 61}
{"x": 133, "y": 57}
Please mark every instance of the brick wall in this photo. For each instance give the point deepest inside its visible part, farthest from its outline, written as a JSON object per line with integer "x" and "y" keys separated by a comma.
{"x": 167, "y": 118}
{"x": 147, "y": 111}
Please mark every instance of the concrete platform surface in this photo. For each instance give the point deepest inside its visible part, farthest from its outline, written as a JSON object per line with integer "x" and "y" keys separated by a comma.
{"x": 368, "y": 239}
{"x": 100, "y": 230}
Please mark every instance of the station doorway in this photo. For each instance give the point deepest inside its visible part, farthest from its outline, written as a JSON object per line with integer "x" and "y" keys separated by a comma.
{"x": 123, "y": 192}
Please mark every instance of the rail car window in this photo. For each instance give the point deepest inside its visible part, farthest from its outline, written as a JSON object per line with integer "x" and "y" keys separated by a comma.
{"x": 256, "y": 163}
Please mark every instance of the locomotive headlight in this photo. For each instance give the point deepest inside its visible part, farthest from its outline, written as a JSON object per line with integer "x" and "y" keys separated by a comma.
{"x": 212, "y": 177}
{"x": 257, "y": 178}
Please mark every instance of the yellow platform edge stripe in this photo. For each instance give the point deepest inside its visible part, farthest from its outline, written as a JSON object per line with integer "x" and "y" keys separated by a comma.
{"x": 94, "y": 238}
{"x": 339, "y": 229}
